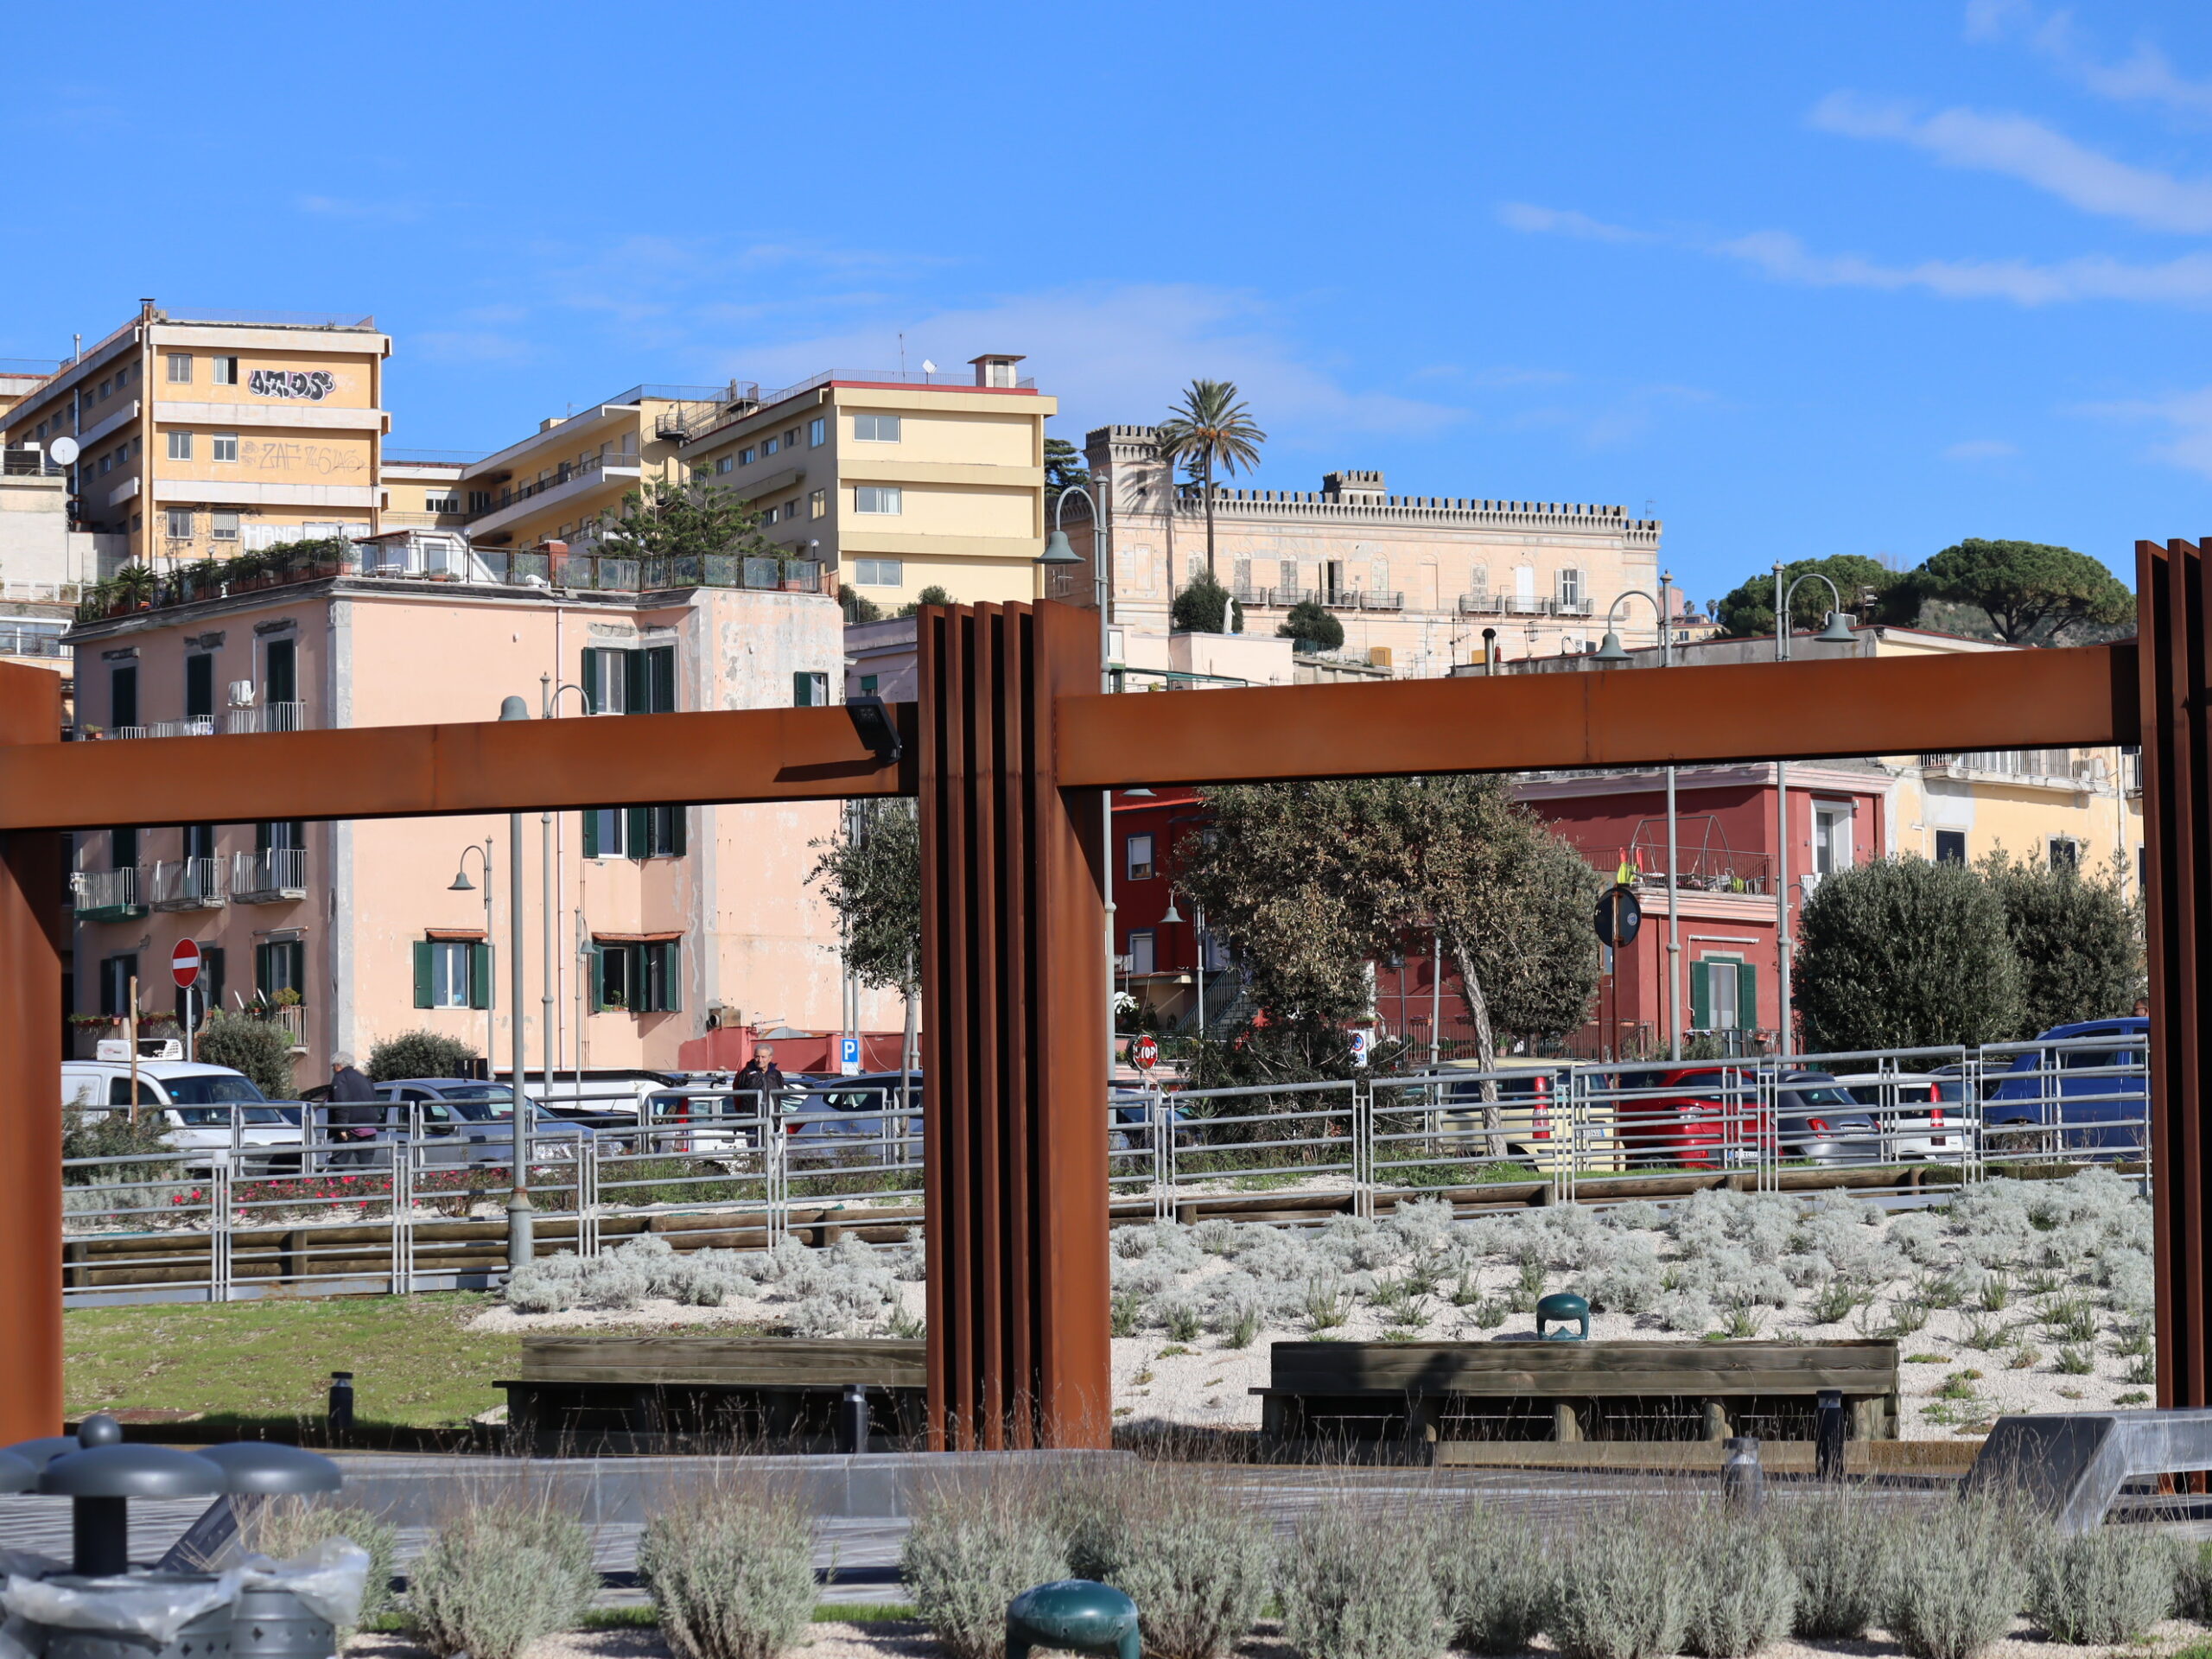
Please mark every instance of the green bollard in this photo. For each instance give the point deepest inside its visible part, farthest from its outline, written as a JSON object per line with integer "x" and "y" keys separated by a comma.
{"x": 1074, "y": 1615}
{"x": 1563, "y": 1308}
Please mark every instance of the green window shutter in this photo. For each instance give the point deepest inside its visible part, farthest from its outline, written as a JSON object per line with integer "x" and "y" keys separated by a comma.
{"x": 264, "y": 966}
{"x": 1701, "y": 995}
{"x": 668, "y": 987}
{"x": 591, "y": 833}
{"x": 801, "y": 690}
{"x": 598, "y": 977}
{"x": 1747, "y": 998}
{"x": 421, "y": 973}
{"x": 594, "y": 678}
{"x": 639, "y": 825}
{"x": 661, "y": 660}
{"x": 480, "y": 975}
{"x": 678, "y": 829}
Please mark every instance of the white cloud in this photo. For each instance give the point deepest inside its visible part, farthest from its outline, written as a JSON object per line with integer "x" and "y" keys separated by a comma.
{"x": 2187, "y": 417}
{"x": 2185, "y": 280}
{"x": 1564, "y": 221}
{"x": 2028, "y": 151}
{"x": 1117, "y": 354}
{"x": 2146, "y": 75}
{"x": 1981, "y": 449}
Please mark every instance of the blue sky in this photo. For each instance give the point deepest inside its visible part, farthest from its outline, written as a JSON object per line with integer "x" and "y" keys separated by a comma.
{"x": 1863, "y": 278}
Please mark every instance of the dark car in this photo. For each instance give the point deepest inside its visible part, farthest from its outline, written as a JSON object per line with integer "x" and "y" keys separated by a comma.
{"x": 477, "y": 1115}
{"x": 841, "y": 1114}
{"x": 1818, "y": 1122}
{"x": 2082, "y": 1088}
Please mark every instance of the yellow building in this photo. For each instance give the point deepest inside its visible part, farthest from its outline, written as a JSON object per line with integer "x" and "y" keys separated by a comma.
{"x": 422, "y": 489}
{"x": 898, "y": 482}
{"x": 207, "y": 436}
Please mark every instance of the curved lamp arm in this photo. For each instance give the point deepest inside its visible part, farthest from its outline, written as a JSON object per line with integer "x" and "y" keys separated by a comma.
{"x": 1609, "y": 649}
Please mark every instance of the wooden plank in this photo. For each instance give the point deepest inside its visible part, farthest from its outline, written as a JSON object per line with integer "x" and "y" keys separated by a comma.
{"x": 1776, "y": 1457}
{"x": 723, "y": 1362}
{"x": 1586, "y": 1367}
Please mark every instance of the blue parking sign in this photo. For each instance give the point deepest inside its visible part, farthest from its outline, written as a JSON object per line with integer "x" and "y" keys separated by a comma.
{"x": 849, "y": 1057}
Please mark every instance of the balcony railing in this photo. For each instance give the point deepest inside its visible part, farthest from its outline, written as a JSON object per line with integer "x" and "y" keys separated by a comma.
{"x": 107, "y": 895}
{"x": 568, "y": 472}
{"x": 29, "y": 463}
{"x": 25, "y": 640}
{"x": 274, "y": 875}
{"x": 1343, "y": 598}
{"x": 1488, "y": 604}
{"x": 2046, "y": 768}
{"x": 189, "y": 884}
{"x": 198, "y": 726}
{"x": 267, "y": 717}
{"x": 292, "y": 1020}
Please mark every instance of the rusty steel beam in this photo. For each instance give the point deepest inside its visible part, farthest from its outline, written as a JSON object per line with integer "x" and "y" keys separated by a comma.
{"x": 1621, "y": 717}
{"x": 1016, "y": 1047}
{"x": 30, "y": 1086}
{"x": 389, "y": 771}
{"x": 2171, "y": 602}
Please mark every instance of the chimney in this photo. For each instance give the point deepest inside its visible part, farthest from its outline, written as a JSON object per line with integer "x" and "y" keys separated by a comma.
{"x": 995, "y": 369}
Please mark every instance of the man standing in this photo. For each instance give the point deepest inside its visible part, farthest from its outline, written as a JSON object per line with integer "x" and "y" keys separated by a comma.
{"x": 760, "y": 1085}
{"x": 355, "y": 1109}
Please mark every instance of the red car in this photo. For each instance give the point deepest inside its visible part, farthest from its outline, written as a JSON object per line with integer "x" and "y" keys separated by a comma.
{"x": 1690, "y": 1115}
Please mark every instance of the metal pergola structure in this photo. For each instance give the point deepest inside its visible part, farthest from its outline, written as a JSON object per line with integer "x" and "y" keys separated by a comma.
{"x": 1008, "y": 749}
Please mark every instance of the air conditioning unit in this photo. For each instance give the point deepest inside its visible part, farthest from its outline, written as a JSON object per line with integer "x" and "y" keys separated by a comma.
{"x": 241, "y": 694}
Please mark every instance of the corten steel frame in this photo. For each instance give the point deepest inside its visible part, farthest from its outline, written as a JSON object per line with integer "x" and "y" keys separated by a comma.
{"x": 1007, "y": 750}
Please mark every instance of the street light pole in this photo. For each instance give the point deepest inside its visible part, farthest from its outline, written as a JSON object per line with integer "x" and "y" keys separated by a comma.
{"x": 460, "y": 884}
{"x": 1610, "y": 651}
{"x": 548, "y": 702}
{"x": 519, "y": 1218}
{"x": 1838, "y": 631}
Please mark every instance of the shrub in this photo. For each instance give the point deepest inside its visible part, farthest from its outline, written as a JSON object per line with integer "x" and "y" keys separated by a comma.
{"x": 2193, "y": 1582}
{"x": 258, "y": 1047}
{"x": 1344, "y": 1597}
{"x": 1491, "y": 1575}
{"x": 1957, "y": 1581}
{"x": 1202, "y": 607}
{"x": 420, "y": 1054}
{"x": 287, "y": 1527}
{"x": 1309, "y": 627}
{"x": 1840, "y": 1553}
{"x": 731, "y": 1574}
{"x": 972, "y": 1550}
{"x": 500, "y": 1576}
{"x": 2103, "y": 1587}
{"x": 1620, "y": 1591}
{"x": 113, "y": 1134}
{"x": 1742, "y": 1591}
{"x": 1194, "y": 1558}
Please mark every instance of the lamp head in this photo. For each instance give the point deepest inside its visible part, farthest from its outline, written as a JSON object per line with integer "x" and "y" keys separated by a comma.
{"x": 513, "y": 708}
{"x": 461, "y": 883}
{"x": 1058, "y": 550}
{"x": 1838, "y": 631}
{"x": 1172, "y": 914}
{"x": 1609, "y": 649}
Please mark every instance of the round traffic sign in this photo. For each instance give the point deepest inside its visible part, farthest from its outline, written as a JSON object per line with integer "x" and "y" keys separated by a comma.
{"x": 1144, "y": 1053}
{"x": 1618, "y": 916}
{"x": 184, "y": 964}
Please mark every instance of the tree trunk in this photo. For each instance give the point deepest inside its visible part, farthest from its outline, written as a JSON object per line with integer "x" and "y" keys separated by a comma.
{"x": 1209, "y": 489}
{"x": 906, "y": 1049}
{"x": 1477, "y": 1005}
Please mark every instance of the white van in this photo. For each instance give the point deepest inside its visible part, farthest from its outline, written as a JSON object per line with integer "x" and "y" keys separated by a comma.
{"x": 217, "y": 1118}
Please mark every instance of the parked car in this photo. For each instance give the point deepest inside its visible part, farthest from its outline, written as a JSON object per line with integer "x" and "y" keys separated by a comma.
{"x": 217, "y": 1117}
{"x": 1819, "y": 1121}
{"x": 467, "y": 1120}
{"x": 2085, "y": 1091}
{"x": 1918, "y": 1121}
{"x": 1692, "y": 1116}
{"x": 840, "y": 1113}
{"x": 1531, "y": 1117}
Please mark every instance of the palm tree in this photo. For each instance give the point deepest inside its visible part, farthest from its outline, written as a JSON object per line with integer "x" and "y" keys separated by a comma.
{"x": 1209, "y": 429}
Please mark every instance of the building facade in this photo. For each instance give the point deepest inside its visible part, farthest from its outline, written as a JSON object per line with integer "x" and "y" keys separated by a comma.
{"x": 666, "y": 921}
{"x": 1420, "y": 583}
{"x": 209, "y": 435}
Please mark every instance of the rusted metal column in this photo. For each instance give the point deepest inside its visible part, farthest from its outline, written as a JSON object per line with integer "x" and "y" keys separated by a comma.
{"x": 1015, "y": 1054}
{"x": 2169, "y": 598}
{"x": 30, "y": 1087}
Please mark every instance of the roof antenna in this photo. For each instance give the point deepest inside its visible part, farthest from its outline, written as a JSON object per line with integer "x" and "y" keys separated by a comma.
{"x": 902, "y": 354}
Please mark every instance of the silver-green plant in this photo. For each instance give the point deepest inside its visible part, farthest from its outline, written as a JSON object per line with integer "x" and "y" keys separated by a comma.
{"x": 973, "y": 1546}
{"x": 1619, "y": 1589}
{"x": 1195, "y": 1557}
{"x": 2193, "y": 1582}
{"x": 1742, "y": 1591}
{"x": 1958, "y": 1578}
{"x": 1839, "y": 1549}
{"x": 1493, "y": 1577}
{"x": 731, "y": 1573}
{"x": 2103, "y": 1587}
{"x": 499, "y": 1576}
{"x": 1344, "y": 1598}
{"x": 287, "y": 1527}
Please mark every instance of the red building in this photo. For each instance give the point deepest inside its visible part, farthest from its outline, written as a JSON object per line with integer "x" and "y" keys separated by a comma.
{"x": 1725, "y": 885}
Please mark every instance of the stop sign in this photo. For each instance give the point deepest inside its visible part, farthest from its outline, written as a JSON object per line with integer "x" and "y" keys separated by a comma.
{"x": 184, "y": 964}
{"x": 1144, "y": 1053}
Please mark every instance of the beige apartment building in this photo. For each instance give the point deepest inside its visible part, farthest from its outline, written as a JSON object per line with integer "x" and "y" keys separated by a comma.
{"x": 1415, "y": 579}
{"x": 206, "y": 436}
{"x": 666, "y": 921}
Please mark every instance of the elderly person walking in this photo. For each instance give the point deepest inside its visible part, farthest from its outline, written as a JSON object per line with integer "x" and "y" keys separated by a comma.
{"x": 355, "y": 1112}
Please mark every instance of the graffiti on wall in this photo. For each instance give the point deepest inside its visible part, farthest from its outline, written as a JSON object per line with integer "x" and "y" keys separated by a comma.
{"x": 313, "y": 385}
{"x": 321, "y": 458}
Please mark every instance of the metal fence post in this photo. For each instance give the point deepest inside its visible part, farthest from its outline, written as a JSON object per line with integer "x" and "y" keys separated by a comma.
{"x": 1363, "y": 1146}
{"x": 218, "y": 1233}
{"x": 588, "y": 1199}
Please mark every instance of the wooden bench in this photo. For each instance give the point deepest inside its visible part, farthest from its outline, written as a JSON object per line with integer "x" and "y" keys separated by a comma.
{"x": 1423, "y": 1393}
{"x": 587, "y": 1394}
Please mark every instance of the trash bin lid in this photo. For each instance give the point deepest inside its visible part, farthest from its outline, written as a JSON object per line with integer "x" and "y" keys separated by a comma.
{"x": 17, "y": 1474}
{"x": 132, "y": 1471}
{"x": 260, "y": 1466}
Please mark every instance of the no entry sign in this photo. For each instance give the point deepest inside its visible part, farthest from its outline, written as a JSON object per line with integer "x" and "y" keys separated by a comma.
{"x": 184, "y": 964}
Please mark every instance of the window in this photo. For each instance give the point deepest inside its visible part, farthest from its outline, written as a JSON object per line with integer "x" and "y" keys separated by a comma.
{"x": 116, "y": 974}
{"x": 2065, "y": 853}
{"x": 810, "y": 689}
{"x": 767, "y": 518}
{"x": 280, "y": 836}
{"x": 869, "y": 683}
{"x": 768, "y": 447}
{"x": 1140, "y": 858}
{"x": 878, "y": 573}
{"x": 107, "y": 462}
{"x": 223, "y": 526}
{"x": 640, "y": 976}
{"x": 1950, "y": 846}
{"x": 790, "y": 510}
{"x": 200, "y": 687}
{"x": 1570, "y": 586}
{"x": 223, "y": 445}
{"x": 1724, "y": 993}
{"x": 100, "y": 397}
{"x": 635, "y": 831}
{"x": 123, "y": 849}
{"x": 452, "y": 974}
{"x": 280, "y": 672}
{"x": 876, "y": 497}
{"x": 280, "y": 965}
{"x": 876, "y": 429}
{"x": 432, "y": 503}
{"x": 629, "y": 682}
{"x": 724, "y": 463}
{"x": 745, "y": 457}
{"x": 123, "y": 694}
{"x": 206, "y": 992}
{"x": 1141, "y": 953}
{"x": 180, "y": 446}
{"x": 178, "y": 522}
{"x": 223, "y": 371}
{"x": 818, "y": 505}
{"x": 791, "y": 439}
{"x": 180, "y": 368}
{"x": 479, "y": 501}
{"x": 818, "y": 431}
{"x": 604, "y": 832}
{"x": 1831, "y": 838}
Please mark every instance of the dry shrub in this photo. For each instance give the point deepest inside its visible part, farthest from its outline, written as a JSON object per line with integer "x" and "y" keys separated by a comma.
{"x": 1742, "y": 1592}
{"x": 284, "y": 1528}
{"x": 1356, "y": 1587}
{"x": 2102, "y": 1587}
{"x": 1619, "y": 1589}
{"x": 731, "y": 1572}
{"x": 974, "y": 1546}
{"x": 500, "y": 1575}
{"x": 1839, "y": 1548}
{"x": 1492, "y": 1575}
{"x": 1958, "y": 1578}
{"x": 1188, "y": 1549}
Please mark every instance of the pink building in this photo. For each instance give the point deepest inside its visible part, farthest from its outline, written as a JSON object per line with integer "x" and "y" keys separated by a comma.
{"x": 666, "y": 922}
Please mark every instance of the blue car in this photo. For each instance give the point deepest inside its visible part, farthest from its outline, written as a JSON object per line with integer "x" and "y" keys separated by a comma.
{"x": 2091, "y": 1094}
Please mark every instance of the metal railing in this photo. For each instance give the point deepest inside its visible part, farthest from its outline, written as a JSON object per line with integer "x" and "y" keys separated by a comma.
{"x": 326, "y": 1199}
{"x": 29, "y": 640}
{"x": 188, "y": 884}
{"x": 272, "y": 874}
{"x": 1488, "y": 604}
{"x": 267, "y": 717}
{"x": 115, "y": 890}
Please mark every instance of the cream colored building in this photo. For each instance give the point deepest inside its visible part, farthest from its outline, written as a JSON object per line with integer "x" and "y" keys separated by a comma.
{"x": 209, "y": 435}
{"x": 665, "y": 920}
{"x": 899, "y": 483}
{"x": 1414, "y": 580}
{"x": 422, "y": 490}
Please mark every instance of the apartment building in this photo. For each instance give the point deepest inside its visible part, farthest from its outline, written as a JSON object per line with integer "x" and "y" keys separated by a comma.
{"x": 1414, "y": 580}
{"x": 421, "y": 489}
{"x": 206, "y": 435}
{"x": 898, "y": 481}
{"x": 666, "y": 921}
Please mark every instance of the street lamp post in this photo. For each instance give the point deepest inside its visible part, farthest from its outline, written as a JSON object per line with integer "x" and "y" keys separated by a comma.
{"x": 1838, "y": 631}
{"x": 519, "y": 1219}
{"x": 1609, "y": 650}
{"x": 1058, "y": 554}
{"x": 461, "y": 883}
{"x": 548, "y": 702}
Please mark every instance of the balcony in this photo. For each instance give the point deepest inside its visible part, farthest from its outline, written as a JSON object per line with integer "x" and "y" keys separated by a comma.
{"x": 276, "y": 875}
{"x": 107, "y": 895}
{"x": 2059, "y": 769}
{"x": 267, "y": 717}
{"x": 189, "y": 884}
{"x": 198, "y": 726}
{"x": 569, "y": 480}
{"x": 1489, "y": 604}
